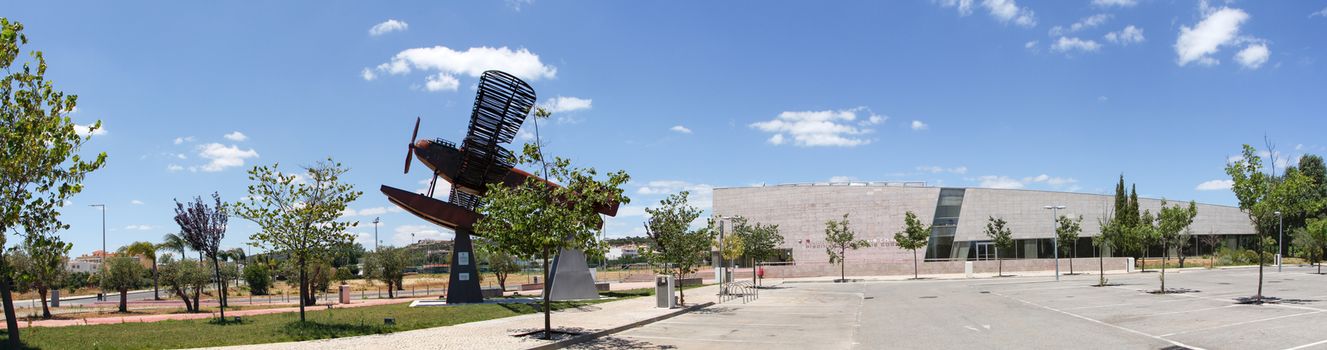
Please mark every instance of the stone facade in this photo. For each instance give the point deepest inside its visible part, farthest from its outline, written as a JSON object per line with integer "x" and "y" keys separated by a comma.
{"x": 876, "y": 212}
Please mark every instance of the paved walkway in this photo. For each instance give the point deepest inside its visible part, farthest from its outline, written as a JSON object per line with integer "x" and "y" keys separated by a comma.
{"x": 497, "y": 334}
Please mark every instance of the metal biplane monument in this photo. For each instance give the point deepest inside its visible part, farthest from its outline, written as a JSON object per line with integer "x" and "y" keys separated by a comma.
{"x": 501, "y": 105}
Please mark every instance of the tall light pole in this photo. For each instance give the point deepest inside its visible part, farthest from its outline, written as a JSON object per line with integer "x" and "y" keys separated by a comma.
{"x": 375, "y": 233}
{"x": 723, "y": 269}
{"x": 1280, "y": 241}
{"x": 1055, "y": 236}
{"x": 103, "y": 234}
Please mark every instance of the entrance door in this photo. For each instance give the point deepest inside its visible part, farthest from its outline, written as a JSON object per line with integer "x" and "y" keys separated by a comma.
{"x": 985, "y": 251}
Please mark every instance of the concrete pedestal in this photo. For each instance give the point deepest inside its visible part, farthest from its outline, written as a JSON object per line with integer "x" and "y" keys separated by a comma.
{"x": 343, "y": 294}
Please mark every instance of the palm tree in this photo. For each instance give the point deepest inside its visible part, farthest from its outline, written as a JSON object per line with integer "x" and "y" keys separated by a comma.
{"x": 176, "y": 243}
{"x": 149, "y": 251}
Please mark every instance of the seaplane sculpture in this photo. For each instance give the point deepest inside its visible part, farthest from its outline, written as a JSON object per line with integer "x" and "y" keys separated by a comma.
{"x": 501, "y": 105}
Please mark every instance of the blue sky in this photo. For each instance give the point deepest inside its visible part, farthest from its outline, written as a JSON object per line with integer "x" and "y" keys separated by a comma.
{"x": 1056, "y": 95}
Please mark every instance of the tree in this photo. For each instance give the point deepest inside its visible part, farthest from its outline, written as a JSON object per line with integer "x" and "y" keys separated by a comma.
{"x": 175, "y": 243}
{"x": 914, "y": 236}
{"x": 39, "y": 163}
{"x": 1183, "y": 242}
{"x": 500, "y": 263}
{"x": 258, "y": 278}
{"x": 1261, "y": 195}
{"x": 1171, "y": 220}
{"x": 1213, "y": 242}
{"x": 536, "y": 218}
{"x": 1067, "y": 230}
{"x": 1002, "y": 237}
{"x": 299, "y": 218}
{"x": 840, "y": 238}
{"x": 1142, "y": 236}
{"x": 1310, "y": 241}
{"x": 122, "y": 274}
{"x": 183, "y": 277}
{"x": 204, "y": 227}
{"x": 42, "y": 267}
{"x": 674, "y": 248}
{"x": 149, "y": 251}
{"x": 1110, "y": 233}
{"x": 732, "y": 248}
{"x": 388, "y": 265}
{"x": 759, "y": 241}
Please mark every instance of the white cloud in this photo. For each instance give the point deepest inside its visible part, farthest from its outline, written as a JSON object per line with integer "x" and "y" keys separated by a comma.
{"x": 1116, "y": 3}
{"x": 1103, "y": 98}
{"x": 1085, "y": 23}
{"x": 563, "y": 104}
{"x": 236, "y": 136}
{"x": 964, "y": 6}
{"x": 842, "y": 178}
{"x": 179, "y": 140}
{"x": 136, "y": 202}
{"x": 525, "y": 135}
{"x": 817, "y": 128}
{"x": 1219, "y": 28}
{"x": 374, "y": 211}
{"x": 441, "y": 81}
{"x": 448, "y": 63}
{"x": 702, "y": 195}
{"x": 1322, "y": 13}
{"x": 138, "y": 227}
{"x": 1059, "y": 183}
{"x": 1126, "y": 36}
{"x": 1003, "y": 10}
{"x": 1253, "y": 56}
{"x": 1031, "y": 45}
{"x": 680, "y": 129}
{"x": 222, "y": 157}
{"x": 1008, "y": 11}
{"x": 441, "y": 189}
{"x": 401, "y": 235}
{"x": 990, "y": 181}
{"x": 518, "y": 4}
{"x": 919, "y": 125}
{"x": 368, "y": 74}
{"x": 938, "y": 169}
{"x": 1215, "y": 185}
{"x": 85, "y": 130}
{"x": 174, "y": 168}
{"x": 389, "y": 26}
{"x": 1067, "y": 44}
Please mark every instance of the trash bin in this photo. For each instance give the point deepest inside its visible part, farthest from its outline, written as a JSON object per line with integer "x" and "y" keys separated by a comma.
{"x": 55, "y": 298}
{"x": 343, "y": 294}
{"x": 663, "y": 291}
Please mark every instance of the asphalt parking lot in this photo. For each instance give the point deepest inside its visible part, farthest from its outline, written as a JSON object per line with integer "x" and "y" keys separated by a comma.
{"x": 1011, "y": 313}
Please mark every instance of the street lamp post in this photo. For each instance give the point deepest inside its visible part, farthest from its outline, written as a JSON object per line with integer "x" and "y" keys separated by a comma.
{"x": 1280, "y": 240}
{"x": 375, "y": 233}
{"x": 1055, "y": 236}
{"x": 103, "y": 234}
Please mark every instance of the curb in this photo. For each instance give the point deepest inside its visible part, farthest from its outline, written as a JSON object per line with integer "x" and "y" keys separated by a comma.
{"x": 600, "y": 334}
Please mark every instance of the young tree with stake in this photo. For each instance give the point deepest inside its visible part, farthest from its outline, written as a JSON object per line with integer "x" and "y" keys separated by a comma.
{"x": 1171, "y": 220}
{"x": 300, "y": 218}
{"x": 1067, "y": 230}
{"x": 914, "y": 236}
{"x": 840, "y": 238}
{"x": 539, "y": 219}
{"x": 1262, "y": 195}
{"x": 674, "y": 247}
{"x": 1003, "y": 238}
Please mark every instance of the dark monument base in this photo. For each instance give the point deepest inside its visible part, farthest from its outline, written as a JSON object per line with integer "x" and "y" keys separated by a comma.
{"x": 571, "y": 278}
{"x": 463, "y": 279}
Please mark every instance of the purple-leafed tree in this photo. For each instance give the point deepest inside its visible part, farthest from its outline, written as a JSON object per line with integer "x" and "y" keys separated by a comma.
{"x": 203, "y": 227}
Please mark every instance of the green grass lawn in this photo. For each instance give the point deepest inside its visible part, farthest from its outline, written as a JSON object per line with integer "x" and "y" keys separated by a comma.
{"x": 284, "y": 327}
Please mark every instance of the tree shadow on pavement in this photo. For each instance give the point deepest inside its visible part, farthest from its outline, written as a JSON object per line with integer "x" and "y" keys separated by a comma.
{"x": 611, "y": 342}
{"x": 318, "y": 330}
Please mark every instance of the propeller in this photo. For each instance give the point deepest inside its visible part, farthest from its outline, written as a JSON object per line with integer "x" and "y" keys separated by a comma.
{"x": 411, "y": 148}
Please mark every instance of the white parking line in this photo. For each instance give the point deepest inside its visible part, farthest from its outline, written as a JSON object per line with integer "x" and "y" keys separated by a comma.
{"x": 1305, "y": 346}
{"x": 1242, "y": 323}
{"x": 1089, "y": 319}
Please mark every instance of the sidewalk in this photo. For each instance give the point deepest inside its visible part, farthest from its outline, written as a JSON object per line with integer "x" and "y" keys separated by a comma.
{"x": 496, "y": 334}
{"x": 194, "y": 316}
{"x": 949, "y": 276}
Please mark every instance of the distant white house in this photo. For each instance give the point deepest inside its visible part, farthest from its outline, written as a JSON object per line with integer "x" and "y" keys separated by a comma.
{"x": 623, "y": 251}
{"x": 83, "y": 265}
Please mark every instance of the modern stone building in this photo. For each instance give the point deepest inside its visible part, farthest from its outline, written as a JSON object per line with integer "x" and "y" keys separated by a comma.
{"x": 958, "y": 217}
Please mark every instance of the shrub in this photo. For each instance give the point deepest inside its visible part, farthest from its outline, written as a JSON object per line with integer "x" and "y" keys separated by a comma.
{"x": 258, "y": 278}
